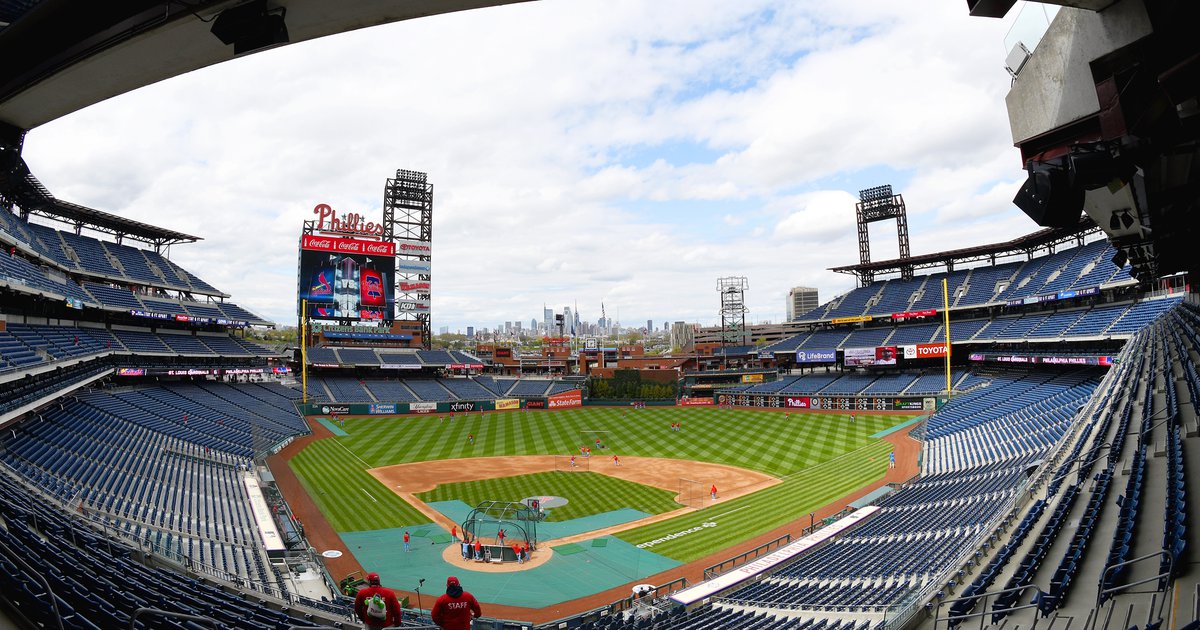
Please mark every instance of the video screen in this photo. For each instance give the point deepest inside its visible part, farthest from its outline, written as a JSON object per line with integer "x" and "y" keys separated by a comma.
{"x": 347, "y": 286}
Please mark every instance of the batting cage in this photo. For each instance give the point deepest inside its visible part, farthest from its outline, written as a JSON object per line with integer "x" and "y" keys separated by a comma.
{"x": 498, "y": 526}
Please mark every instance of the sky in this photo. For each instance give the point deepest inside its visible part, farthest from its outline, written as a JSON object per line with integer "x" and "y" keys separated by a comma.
{"x": 624, "y": 152}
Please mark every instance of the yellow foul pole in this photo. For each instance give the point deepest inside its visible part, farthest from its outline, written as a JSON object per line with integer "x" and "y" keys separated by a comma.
{"x": 304, "y": 351}
{"x": 946, "y": 326}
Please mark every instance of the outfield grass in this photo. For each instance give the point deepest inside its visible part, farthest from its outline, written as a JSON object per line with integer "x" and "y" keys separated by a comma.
{"x": 333, "y": 470}
{"x": 586, "y": 493}
{"x": 751, "y": 515}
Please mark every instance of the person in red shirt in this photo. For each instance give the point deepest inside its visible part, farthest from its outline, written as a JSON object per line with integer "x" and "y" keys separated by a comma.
{"x": 454, "y": 532}
{"x": 713, "y": 491}
{"x": 364, "y": 603}
{"x": 455, "y": 609}
{"x": 478, "y": 550}
{"x": 406, "y": 547}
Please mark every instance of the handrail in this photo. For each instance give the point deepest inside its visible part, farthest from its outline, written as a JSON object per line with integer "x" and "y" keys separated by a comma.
{"x": 949, "y": 618}
{"x": 167, "y": 613}
{"x": 34, "y": 572}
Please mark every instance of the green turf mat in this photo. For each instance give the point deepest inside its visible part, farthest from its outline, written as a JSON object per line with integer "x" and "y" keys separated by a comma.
{"x": 569, "y": 549}
{"x": 898, "y": 427}
{"x": 333, "y": 428}
{"x": 420, "y": 533}
{"x": 441, "y": 539}
{"x": 600, "y": 542}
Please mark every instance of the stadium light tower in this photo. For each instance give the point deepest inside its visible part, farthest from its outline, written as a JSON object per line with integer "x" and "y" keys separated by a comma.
{"x": 879, "y": 204}
{"x": 408, "y": 222}
{"x": 733, "y": 309}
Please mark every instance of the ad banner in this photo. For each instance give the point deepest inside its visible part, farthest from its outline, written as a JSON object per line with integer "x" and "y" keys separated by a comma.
{"x": 573, "y": 398}
{"x": 752, "y": 378}
{"x": 929, "y": 312}
{"x": 422, "y": 407}
{"x": 413, "y": 306}
{"x": 507, "y": 403}
{"x": 925, "y": 351}
{"x": 796, "y": 402}
{"x": 867, "y": 357}
{"x": 383, "y": 409}
{"x": 695, "y": 402}
{"x": 409, "y": 267}
{"x": 816, "y": 356}
{"x": 535, "y": 403}
{"x": 857, "y": 319}
{"x": 313, "y": 242}
{"x": 409, "y": 247}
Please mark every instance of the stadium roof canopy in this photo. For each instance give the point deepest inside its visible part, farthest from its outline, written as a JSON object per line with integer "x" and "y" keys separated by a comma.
{"x": 59, "y": 56}
{"x": 1026, "y": 245}
{"x": 37, "y": 200}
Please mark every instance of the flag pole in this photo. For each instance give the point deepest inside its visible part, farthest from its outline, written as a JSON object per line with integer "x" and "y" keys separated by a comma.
{"x": 946, "y": 325}
{"x": 304, "y": 351}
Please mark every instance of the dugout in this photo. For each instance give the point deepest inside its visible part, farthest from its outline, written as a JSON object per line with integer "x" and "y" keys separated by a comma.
{"x": 484, "y": 522}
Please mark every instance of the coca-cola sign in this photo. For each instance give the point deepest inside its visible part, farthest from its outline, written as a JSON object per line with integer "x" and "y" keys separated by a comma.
{"x": 346, "y": 245}
{"x": 348, "y": 223}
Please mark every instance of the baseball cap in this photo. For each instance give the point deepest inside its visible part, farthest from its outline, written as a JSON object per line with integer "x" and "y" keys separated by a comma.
{"x": 373, "y": 579}
{"x": 452, "y": 581}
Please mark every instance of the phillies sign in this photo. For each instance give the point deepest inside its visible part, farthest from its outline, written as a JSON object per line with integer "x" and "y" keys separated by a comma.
{"x": 349, "y": 223}
{"x": 346, "y": 245}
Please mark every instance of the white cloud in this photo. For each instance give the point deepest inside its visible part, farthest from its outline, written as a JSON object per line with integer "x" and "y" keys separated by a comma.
{"x": 524, "y": 116}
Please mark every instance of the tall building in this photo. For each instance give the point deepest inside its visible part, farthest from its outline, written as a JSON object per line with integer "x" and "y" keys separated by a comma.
{"x": 801, "y": 300}
{"x": 470, "y": 332}
{"x": 682, "y": 336}
{"x": 649, "y": 325}
{"x": 547, "y": 320}
{"x": 568, "y": 322}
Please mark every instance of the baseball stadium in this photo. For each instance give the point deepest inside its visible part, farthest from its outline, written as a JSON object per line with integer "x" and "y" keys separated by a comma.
{"x": 1001, "y": 435}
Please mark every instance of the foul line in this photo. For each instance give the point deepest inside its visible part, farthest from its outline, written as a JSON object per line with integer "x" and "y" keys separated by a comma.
{"x": 828, "y": 461}
{"x": 339, "y": 443}
{"x": 369, "y": 495}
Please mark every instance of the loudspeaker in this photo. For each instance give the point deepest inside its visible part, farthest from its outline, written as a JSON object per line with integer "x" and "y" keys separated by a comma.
{"x": 250, "y": 27}
{"x": 1048, "y": 197}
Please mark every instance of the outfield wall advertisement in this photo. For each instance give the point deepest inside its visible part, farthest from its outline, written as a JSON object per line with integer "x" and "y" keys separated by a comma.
{"x": 572, "y": 398}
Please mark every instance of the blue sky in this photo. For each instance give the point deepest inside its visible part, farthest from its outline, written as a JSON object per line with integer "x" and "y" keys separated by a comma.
{"x": 628, "y": 152}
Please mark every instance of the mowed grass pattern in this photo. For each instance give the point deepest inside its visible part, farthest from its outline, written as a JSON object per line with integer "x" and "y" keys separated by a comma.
{"x": 746, "y": 517}
{"x": 586, "y": 493}
{"x": 333, "y": 470}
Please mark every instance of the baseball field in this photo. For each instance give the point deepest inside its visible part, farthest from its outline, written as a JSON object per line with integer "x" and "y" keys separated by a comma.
{"x": 772, "y": 468}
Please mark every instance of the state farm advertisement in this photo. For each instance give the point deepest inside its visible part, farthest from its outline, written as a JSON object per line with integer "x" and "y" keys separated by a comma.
{"x": 573, "y": 398}
{"x": 796, "y": 402}
{"x": 312, "y": 242}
